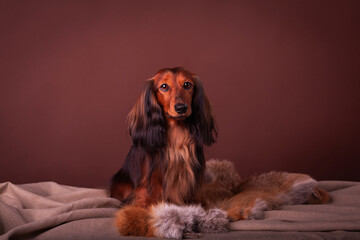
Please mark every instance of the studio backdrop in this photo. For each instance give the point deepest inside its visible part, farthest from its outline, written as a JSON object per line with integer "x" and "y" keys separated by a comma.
{"x": 283, "y": 79}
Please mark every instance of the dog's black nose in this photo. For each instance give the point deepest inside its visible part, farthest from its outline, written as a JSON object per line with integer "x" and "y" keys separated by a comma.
{"x": 180, "y": 108}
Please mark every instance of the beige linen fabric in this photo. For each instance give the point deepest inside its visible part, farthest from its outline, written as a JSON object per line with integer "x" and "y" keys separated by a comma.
{"x": 48, "y": 210}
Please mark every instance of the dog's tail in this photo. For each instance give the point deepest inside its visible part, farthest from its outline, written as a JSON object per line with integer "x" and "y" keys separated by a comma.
{"x": 170, "y": 221}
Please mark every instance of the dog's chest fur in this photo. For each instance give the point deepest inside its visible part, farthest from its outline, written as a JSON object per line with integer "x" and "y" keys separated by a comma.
{"x": 180, "y": 183}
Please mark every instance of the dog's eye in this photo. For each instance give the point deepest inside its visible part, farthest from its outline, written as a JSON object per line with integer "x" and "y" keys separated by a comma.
{"x": 164, "y": 87}
{"x": 187, "y": 85}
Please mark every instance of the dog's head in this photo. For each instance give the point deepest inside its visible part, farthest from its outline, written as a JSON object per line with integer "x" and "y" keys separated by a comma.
{"x": 173, "y": 94}
{"x": 174, "y": 90}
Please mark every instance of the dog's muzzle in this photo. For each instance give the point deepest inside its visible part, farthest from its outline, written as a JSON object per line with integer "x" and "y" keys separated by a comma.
{"x": 181, "y": 108}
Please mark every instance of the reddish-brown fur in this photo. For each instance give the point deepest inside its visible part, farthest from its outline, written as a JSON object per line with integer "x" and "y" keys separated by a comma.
{"x": 175, "y": 94}
{"x": 180, "y": 180}
{"x": 169, "y": 124}
{"x": 134, "y": 221}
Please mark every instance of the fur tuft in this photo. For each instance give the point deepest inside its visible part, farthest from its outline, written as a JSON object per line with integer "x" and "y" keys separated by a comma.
{"x": 166, "y": 221}
{"x": 300, "y": 192}
{"x": 172, "y": 221}
{"x": 224, "y": 172}
{"x": 222, "y": 182}
{"x": 257, "y": 211}
{"x": 215, "y": 221}
{"x": 133, "y": 221}
{"x": 319, "y": 196}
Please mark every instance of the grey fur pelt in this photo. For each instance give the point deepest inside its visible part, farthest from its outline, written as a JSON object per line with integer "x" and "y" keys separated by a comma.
{"x": 172, "y": 221}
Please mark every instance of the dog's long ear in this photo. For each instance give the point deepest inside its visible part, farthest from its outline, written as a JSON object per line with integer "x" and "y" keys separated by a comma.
{"x": 201, "y": 122}
{"x": 146, "y": 121}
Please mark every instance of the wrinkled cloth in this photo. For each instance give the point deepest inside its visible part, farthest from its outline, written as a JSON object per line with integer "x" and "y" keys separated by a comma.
{"x": 48, "y": 210}
{"x": 27, "y": 210}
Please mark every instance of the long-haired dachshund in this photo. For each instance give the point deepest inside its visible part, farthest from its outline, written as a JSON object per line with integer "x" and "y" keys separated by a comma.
{"x": 169, "y": 125}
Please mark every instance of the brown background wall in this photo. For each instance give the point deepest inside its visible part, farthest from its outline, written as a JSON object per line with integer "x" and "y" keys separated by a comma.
{"x": 282, "y": 76}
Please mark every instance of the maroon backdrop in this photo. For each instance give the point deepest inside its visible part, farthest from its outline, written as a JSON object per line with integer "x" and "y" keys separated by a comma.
{"x": 283, "y": 78}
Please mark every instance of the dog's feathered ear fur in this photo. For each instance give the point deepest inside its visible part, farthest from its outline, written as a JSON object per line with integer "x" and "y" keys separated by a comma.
{"x": 146, "y": 121}
{"x": 201, "y": 122}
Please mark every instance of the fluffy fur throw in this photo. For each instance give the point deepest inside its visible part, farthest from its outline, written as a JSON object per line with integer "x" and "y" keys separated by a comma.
{"x": 170, "y": 221}
{"x": 225, "y": 197}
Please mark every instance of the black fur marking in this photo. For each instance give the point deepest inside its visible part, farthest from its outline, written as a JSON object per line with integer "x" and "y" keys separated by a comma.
{"x": 150, "y": 133}
{"x": 201, "y": 124}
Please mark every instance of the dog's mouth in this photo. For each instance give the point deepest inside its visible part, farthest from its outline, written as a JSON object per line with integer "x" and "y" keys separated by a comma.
{"x": 178, "y": 117}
